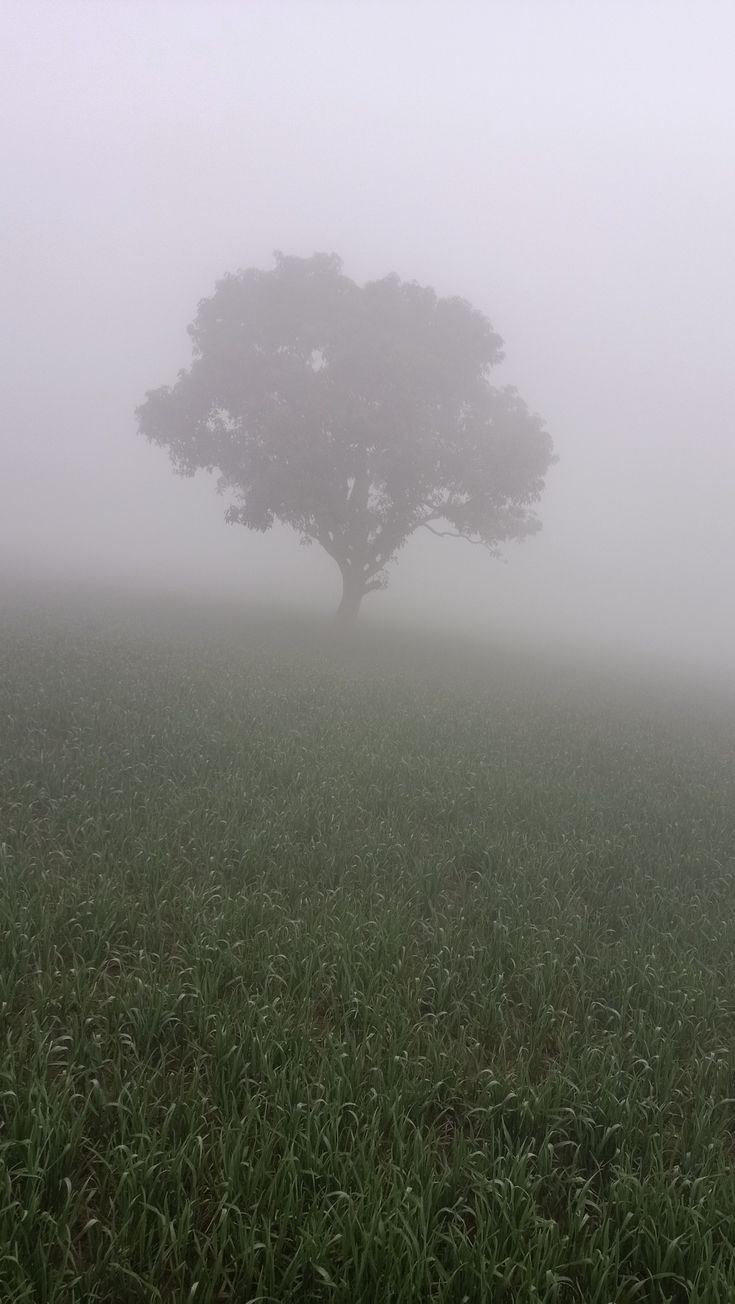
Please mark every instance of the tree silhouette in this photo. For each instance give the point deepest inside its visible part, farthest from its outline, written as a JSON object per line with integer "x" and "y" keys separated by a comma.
{"x": 354, "y": 414}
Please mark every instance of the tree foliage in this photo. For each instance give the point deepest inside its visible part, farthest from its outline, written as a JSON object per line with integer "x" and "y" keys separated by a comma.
{"x": 354, "y": 414}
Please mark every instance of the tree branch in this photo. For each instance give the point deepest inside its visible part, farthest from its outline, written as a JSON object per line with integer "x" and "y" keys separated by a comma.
{"x": 453, "y": 534}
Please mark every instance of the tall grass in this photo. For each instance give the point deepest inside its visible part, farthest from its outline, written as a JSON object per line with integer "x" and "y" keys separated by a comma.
{"x": 326, "y": 976}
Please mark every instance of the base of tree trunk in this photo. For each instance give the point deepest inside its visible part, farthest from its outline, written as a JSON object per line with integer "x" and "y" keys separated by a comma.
{"x": 349, "y": 608}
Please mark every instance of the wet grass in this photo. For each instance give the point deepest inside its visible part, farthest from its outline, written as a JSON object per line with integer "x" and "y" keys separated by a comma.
{"x": 330, "y": 974}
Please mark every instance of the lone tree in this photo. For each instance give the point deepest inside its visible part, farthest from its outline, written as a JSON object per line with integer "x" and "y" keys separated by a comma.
{"x": 355, "y": 414}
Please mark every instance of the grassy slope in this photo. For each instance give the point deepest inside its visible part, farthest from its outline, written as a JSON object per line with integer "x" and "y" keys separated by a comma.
{"x": 343, "y": 977}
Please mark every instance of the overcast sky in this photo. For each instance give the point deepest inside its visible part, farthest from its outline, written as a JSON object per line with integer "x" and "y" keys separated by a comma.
{"x": 568, "y": 167}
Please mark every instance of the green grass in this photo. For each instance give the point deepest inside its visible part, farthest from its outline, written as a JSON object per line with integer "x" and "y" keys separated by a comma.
{"x": 357, "y": 975}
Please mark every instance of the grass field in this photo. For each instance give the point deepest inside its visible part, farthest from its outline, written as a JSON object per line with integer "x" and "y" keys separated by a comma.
{"x": 375, "y": 973}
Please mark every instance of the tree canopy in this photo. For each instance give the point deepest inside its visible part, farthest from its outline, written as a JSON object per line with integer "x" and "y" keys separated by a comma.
{"x": 354, "y": 414}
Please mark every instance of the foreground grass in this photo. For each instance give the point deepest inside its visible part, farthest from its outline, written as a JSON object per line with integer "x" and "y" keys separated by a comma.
{"x": 324, "y": 980}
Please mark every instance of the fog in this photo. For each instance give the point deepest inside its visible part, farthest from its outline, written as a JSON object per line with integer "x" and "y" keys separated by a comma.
{"x": 566, "y": 167}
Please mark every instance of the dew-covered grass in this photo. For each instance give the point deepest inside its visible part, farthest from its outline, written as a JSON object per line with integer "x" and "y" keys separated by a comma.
{"x": 358, "y": 973}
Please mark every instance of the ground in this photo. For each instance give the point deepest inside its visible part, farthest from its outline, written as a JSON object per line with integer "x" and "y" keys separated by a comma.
{"x": 358, "y": 971}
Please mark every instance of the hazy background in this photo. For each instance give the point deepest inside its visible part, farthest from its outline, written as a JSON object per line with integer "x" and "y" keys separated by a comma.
{"x": 568, "y": 167}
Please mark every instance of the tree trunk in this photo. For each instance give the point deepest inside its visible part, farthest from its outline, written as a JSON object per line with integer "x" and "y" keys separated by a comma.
{"x": 353, "y": 592}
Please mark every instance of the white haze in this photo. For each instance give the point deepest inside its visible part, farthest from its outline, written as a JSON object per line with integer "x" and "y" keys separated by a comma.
{"x": 568, "y": 167}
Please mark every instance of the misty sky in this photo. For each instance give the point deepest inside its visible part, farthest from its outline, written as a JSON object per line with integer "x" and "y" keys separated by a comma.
{"x": 568, "y": 167}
